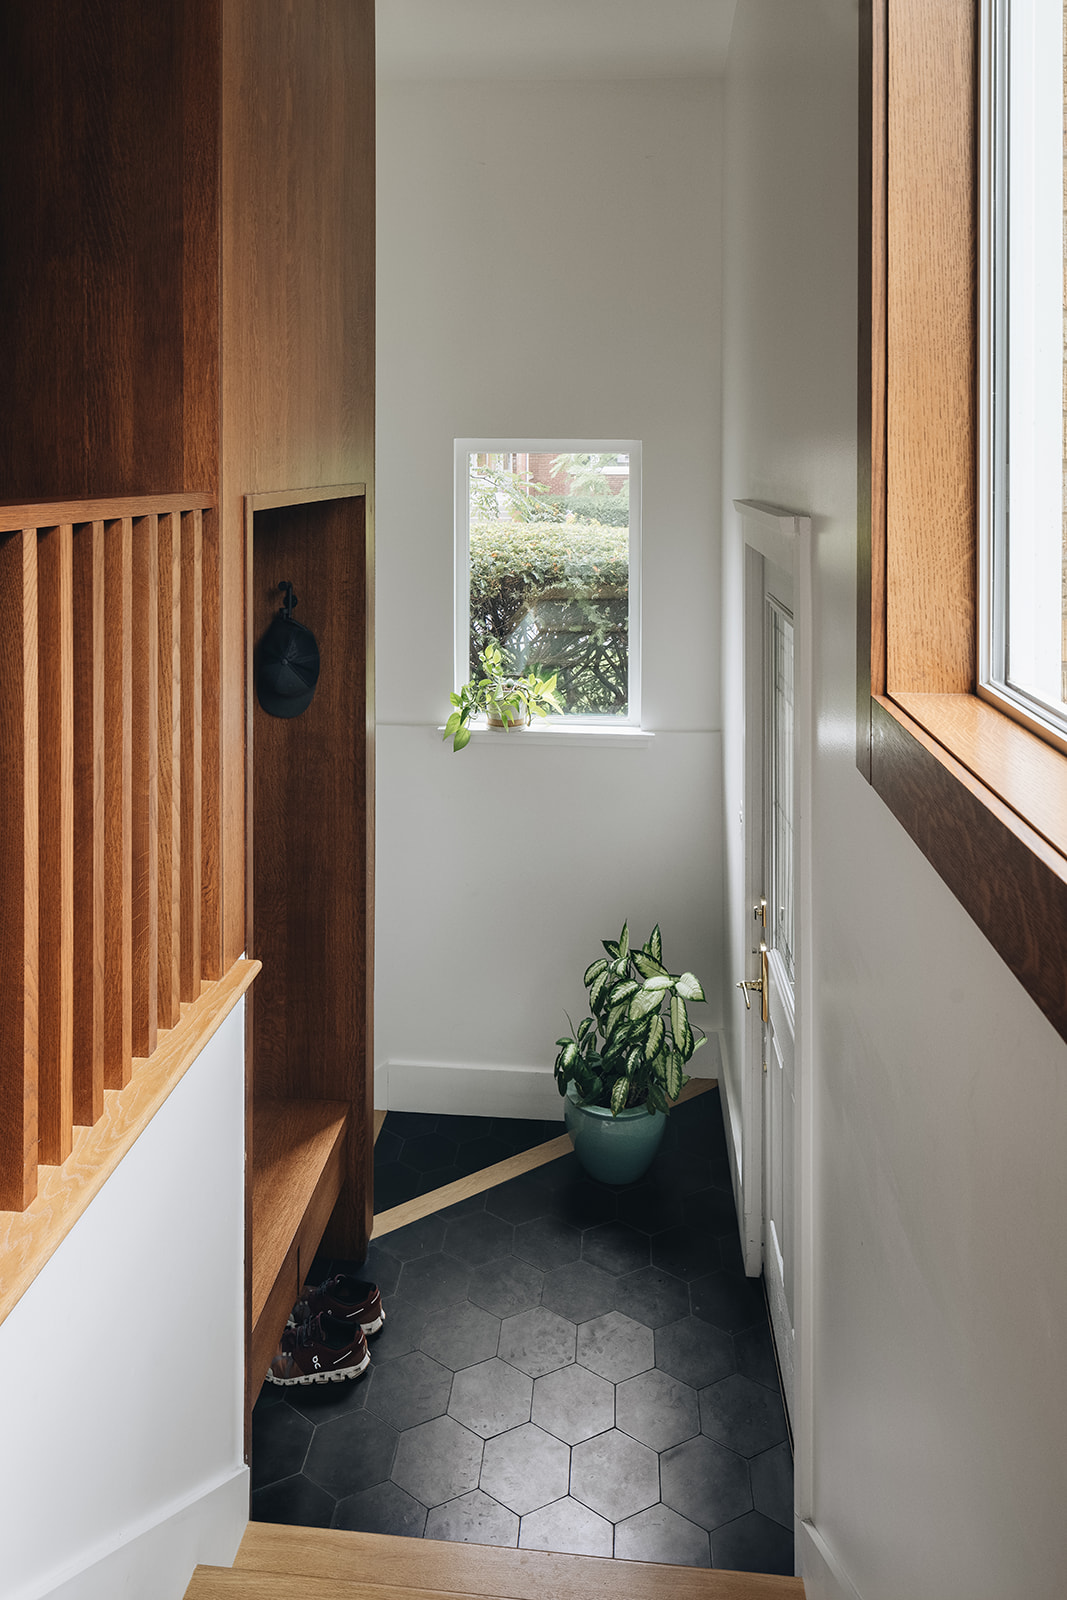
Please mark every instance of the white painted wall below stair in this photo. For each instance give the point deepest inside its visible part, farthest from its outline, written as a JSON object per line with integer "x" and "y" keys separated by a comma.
{"x": 121, "y": 1462}
{"x": 548, "y": 267}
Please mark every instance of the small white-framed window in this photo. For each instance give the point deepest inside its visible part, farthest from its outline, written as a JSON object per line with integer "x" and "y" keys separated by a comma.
{"x": 548, "y": 542}
{"x": 1022, "y": 409}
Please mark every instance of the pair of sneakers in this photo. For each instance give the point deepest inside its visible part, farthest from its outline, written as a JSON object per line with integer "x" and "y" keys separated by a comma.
{"x": 325, "y": 1340}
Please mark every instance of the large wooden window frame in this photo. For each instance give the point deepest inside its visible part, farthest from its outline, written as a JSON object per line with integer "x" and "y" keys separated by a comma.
{"x": 984, "y": 798}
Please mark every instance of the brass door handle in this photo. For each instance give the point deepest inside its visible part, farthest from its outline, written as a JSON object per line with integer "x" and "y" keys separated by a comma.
{"x": 757, "y": 985}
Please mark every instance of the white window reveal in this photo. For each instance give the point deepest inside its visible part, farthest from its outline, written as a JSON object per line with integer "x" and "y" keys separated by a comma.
{"x": 548, "y": 538}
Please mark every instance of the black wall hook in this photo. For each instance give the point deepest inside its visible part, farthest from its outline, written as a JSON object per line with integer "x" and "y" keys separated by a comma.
{"x": 290, "y": 600}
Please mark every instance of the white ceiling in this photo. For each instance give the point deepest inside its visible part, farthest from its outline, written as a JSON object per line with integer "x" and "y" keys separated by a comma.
{"x": 552, "y": 38}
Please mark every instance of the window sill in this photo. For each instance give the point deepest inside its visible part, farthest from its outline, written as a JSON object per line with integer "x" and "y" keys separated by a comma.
{"x": 986, "y": 802}
{"x": 541, "y": 733}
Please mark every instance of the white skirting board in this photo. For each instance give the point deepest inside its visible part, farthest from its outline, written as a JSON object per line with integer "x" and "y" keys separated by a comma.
{"x": 461, "y": 1090}
{"x": 158, "y": 1558}
{"x": 824, "y": 1576}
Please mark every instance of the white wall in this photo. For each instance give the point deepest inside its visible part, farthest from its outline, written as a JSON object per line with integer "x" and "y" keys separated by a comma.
{"x": 548, "y": 266}
{"x": 930, "y": 1459}
{"x": 121, "y": 1462}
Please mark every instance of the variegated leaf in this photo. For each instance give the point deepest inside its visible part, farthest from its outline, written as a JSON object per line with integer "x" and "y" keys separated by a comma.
{"x": 655, "y": 944}
{"x": 654, "y": 1037}
{"x": 644, "y": 1001}
{"x": 679, "y": 1021}
{"x": 690, "y": 988}
{"x": 594, "y": 971}
{"x": 647, "y": 965}
{"x": 619, "y": 1093}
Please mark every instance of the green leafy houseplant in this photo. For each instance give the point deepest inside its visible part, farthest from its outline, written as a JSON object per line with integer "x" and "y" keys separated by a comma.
{"x": 634, "y": 1048}
{"x": 504, "y": 697}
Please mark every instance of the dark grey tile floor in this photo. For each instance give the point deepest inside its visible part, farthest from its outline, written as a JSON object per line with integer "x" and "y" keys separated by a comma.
{"x": 564, "y": 1366}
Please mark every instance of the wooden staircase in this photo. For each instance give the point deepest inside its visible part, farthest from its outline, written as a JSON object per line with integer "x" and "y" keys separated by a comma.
{"x": 284, "y": 1563}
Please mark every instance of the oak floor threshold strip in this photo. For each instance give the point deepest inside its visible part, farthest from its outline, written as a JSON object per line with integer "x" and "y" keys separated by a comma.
{"x": 326, "y": 1560}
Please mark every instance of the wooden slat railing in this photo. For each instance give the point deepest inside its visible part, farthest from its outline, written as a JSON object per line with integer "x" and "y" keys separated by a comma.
{"x": 109, "y": 846}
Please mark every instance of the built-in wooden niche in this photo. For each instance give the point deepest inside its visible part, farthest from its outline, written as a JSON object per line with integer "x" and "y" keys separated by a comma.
{"x": 310, "y": 827}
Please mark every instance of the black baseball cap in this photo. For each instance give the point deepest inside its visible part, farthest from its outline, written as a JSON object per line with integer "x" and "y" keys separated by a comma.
{"x": 287, "y": 667}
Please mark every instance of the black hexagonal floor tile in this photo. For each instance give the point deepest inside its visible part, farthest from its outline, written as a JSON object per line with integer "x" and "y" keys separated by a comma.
{"x": 474, "y": 1518}
{"x": 579, "y": 1291}
{"x": 280, "y": 1440}
{"x": 657, "y": 1409}
{"x": 463, "y": 1336}
{"x": 294, "y": 1500}
{"x": 384, "y": 1508}
{"x": 537, "y": 1341}
{"x": 660, "y": 1534}
{"x": 573, "y": 1403}
{"x": 350, "y": 1453}
{"x": 615, "y": 1347}
{"x": 728, "y": 1302}
{"x": 412, "y": 1389}
{"x": 568, "y": 1527}
{"x": 616, "y": 1247}
{"x": 687, "y": 1252}
{"x": 772, "y": 1484}
{"x": 525, "y": 1468}
{"x": 743, "y": 1415}
{"x": 652, "y": 1296}
{"x": 428, "y": 1151}
{"x": 491, "y": 1398}
{"x": 546, "y": 1242}
{"x": 753, "y": 1543}
{"x": 695, "y": 1352}
{"x": 478, "y": 1237}
{"x": 438, "y": 1461}
{"x": 405, "y": 1322}
{"x": 755, "y": 1355}
{"x": 434, "y": 1282}
{"x": 506, "y": 1287}
{"x": 521, "y": 1199}
{"x": 420, "y": 1238}
{"x": 705, "y": 1482}
{"x": 614, "y": 1475}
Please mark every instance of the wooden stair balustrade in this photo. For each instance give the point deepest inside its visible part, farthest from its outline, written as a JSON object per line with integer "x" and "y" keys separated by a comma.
{"x": 110, "y": 809}
{"x": 274, "y": 1562}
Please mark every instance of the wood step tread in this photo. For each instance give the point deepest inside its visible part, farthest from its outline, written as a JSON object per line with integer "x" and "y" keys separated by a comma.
{"x": 230, "y": 1583}
{"x": 489, "y": 1571}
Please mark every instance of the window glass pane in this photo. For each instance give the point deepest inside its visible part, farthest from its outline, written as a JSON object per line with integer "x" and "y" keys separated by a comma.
{"x": 550, "y": 570}
{"x": 1028, "y": 562}
{"x": 781, "y": 782}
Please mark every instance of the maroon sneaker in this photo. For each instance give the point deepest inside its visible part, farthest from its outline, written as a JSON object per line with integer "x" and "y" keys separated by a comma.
{"x": 346, "y": 1299}
{"x": 319, "y": 1351}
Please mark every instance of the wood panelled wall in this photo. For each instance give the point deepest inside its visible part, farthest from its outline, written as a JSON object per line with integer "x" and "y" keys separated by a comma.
{"x": 186, "y": 308}
{"x": 91, "y": 717}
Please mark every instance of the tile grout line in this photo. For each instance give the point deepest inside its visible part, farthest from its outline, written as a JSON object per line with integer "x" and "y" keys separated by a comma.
{"x": 424, "y": 1205}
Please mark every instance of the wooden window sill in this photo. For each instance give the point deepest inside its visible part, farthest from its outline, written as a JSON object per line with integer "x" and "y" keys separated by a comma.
{"x": 29, "y": 1238}
{"x": 986, "y": 802}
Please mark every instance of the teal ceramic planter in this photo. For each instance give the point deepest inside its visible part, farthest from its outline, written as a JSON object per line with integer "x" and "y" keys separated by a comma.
{"x": 613, "y": 1149}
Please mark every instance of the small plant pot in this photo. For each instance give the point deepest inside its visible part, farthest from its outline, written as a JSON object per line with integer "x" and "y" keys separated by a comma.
{"x": 613, "y": 1149}
{"x": 518, "y": 726}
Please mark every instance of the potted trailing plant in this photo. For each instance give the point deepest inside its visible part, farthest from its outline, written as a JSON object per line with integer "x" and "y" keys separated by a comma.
{"x": 620, "y": 1071}
{"x": 508, "y": 700}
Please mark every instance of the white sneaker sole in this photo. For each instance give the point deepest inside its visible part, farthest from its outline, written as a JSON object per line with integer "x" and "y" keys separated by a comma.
{"x": 373, "y": 1327}
{"x": 337, "y": 1376}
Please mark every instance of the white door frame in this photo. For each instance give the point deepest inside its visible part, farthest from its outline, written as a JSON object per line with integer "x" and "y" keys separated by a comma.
{"x": 783, "y": 539}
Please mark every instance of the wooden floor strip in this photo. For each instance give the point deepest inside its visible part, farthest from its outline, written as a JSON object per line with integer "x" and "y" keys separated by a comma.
{"x": 408, "y": 1566}
{"x": 424, "y": 1205}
